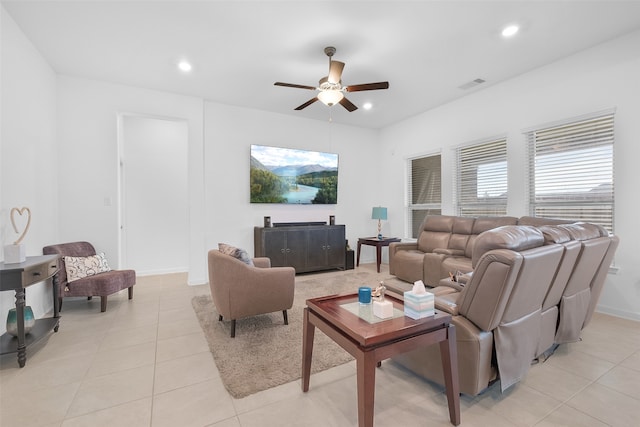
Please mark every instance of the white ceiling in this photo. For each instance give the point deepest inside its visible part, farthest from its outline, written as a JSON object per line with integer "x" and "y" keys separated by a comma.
{"x": 425, "y": 49}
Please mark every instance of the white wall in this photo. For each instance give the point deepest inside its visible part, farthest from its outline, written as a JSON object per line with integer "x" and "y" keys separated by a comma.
{"x": 230, "y": 131}
{"x": 603, "y": 77}
{"x": 28, "y": 163}
{"x": 88, "y": 158}
{"x": 88, "y": 110}
{"x": 75, "y": 154}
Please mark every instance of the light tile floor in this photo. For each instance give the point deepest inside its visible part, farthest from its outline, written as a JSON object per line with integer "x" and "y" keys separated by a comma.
{"x": 145, "y": 362}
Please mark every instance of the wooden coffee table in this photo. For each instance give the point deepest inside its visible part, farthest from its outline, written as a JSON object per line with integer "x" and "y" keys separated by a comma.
{"x": 370, "y": 343}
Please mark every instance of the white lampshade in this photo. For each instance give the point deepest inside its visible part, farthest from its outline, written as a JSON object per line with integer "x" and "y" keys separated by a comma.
{"x": 330, "y": 97}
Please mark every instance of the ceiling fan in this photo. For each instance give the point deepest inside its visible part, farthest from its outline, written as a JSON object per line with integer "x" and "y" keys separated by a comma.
{"x": 331, "y": 90}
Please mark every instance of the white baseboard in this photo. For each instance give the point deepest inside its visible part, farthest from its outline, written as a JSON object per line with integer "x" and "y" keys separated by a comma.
{"x": 625, "y": 314}
{"x": 160, "y": 271}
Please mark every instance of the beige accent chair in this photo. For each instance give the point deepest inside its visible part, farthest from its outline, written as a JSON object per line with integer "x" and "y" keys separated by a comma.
{"x": 240, "y": 290}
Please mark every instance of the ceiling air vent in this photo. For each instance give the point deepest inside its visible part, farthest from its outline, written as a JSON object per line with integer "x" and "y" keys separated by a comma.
{"x": 472, "y": 83}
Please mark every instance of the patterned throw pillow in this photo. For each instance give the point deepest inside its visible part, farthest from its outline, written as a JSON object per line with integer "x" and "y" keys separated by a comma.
{"x": 238, "y": 253}
{"x": 79, "y": 267}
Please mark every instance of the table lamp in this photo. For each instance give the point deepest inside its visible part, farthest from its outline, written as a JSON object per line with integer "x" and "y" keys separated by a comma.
{"x": 379, "y": 213}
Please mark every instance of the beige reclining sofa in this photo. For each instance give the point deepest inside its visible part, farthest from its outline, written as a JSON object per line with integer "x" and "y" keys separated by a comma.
{"x": 531, "y": 288}
{"x": 445, "y": 244}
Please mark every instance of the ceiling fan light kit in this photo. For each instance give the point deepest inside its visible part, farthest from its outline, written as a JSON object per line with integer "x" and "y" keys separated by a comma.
{"x": 330, "y": 88}
{"x": 330, "y": 97}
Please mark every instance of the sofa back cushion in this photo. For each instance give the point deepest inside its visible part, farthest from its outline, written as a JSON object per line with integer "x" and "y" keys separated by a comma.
{"x": 584, "y": 230}
{"x": 513, "y": 237}
{"x": 537, "y": 221}
{"x": 460, "y": 232}
{"x": 507, "y": 256}
{"x": 553, "y": 234}
{"x": 480, "y": 225}
{"x": 436, "y": 231}
{"x": 535, "y": 278}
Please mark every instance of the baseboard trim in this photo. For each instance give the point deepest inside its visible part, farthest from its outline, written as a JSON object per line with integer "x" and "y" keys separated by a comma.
{"x": 624, "y": 314}
{"x": 160, "y": 271}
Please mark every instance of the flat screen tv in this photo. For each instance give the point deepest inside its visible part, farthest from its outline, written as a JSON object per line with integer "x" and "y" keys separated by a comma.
{"x": 286, "y": 175}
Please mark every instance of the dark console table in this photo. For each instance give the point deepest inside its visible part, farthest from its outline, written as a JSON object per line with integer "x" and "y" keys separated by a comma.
{"x": 17, "y": 277}
{"x": 305, "y": 247}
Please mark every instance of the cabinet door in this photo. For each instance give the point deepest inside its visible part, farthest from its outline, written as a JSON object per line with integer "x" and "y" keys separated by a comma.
{"x": 274, "y": 245}
{"x": 336, "y": 247}
{"x": 296, "y": 249}
{"x": 317, "y": 249}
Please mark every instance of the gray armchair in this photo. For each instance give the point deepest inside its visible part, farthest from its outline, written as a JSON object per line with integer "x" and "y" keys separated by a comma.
{"x": 240, "y": 290}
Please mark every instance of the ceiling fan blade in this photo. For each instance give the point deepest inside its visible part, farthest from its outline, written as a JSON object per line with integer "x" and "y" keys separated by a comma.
{"x": 348, "y": 105}
{"x": 368, "y": 86}
{"x": 335, "y": 71}
{"x": 306, "y": 104}
{"x": 294, "y": 85}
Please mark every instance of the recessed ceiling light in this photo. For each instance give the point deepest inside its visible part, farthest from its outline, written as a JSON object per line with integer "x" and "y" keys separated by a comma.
{"x": 510, "y": 30}
{"x": 184, "y": 66}
{"x": 367, "y": 106}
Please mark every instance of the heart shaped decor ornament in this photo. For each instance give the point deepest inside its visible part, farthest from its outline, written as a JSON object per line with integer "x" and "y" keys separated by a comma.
{"x": 20, "y": 211}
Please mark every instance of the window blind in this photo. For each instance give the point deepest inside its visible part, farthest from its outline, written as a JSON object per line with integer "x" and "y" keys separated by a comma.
{"x": 425, "y": 190}
{"x": 481, "y": 179}
{"x": 571, "y": 171}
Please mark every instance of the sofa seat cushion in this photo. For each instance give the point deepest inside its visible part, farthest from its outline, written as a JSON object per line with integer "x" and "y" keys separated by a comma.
{"x": 102, "y": 284}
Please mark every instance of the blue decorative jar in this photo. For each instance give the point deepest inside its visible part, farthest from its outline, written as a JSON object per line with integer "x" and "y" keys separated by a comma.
{"x": 12, "y": 321}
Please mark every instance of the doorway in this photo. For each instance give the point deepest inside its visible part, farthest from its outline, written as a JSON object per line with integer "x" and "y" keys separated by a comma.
{"x": 154, "y": 201}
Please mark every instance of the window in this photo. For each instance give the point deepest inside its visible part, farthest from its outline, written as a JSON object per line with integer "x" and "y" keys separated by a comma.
{"x": 481, "y": 179}
{"x": 424, "y": 190}
{"x": 571, "y": 171}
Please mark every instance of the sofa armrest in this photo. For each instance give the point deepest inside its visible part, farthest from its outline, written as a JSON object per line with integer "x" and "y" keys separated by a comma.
{"x": 262, "y": 262}
{"x": 448, "y": 283}
{"x": 448, "y": 303}
{"x": 396, "y": 247}
{"x": 402, "y": 246}
{"x": 465, "y": 278}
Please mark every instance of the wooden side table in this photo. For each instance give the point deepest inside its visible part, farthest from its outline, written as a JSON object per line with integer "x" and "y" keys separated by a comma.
{"x": 378, "y": 243}
{"x": 370, "y": 343}
{"x": 16, "y": 277}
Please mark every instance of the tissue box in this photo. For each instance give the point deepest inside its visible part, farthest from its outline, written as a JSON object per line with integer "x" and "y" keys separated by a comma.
{"x": 418, "y": 306}
{"x": 383, "y": 309}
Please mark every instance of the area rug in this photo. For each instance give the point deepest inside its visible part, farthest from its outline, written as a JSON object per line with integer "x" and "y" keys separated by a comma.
{"x": 266, "y": 353}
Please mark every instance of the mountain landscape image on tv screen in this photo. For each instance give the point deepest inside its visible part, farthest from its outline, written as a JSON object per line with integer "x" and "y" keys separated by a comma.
{"x": 285, "y": 175}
